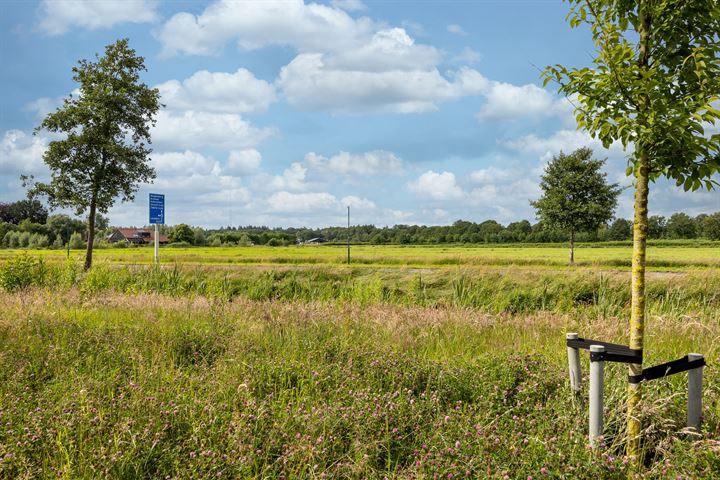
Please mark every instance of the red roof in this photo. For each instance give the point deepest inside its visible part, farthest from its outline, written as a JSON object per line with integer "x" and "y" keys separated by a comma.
{"x": 130, "y": 233}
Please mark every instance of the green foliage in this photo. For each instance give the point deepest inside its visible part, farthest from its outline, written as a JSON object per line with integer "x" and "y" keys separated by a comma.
{"x": 16, "y": 212}
{"x": 63, "y": 226}
{"x": 656, "y": 227}
{"x": 681, "y": 225}
{"x": 104, "y": 154}
{"x": 661, "y": 99}
{"x": 621, "y": 229}
{"x": 711, "y": 226}
{"x": 21, "y": 272}
{"x": 76, "y": 241}
{"x": 37, "y": 240}
{"x": 576, "y": 196}
{"x": 182, "y": 233}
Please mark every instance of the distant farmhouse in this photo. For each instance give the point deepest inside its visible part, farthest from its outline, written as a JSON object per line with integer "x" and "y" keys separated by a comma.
{"x": 138, "y": 236}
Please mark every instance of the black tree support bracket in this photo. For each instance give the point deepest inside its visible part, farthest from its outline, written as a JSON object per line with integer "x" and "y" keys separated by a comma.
{"x": 613, "y": 352}
{"x": 666, "y": 369}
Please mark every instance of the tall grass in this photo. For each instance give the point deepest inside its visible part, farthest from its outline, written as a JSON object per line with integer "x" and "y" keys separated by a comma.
{"x": 590, "y": 293}
{"x": 151, "y": 386}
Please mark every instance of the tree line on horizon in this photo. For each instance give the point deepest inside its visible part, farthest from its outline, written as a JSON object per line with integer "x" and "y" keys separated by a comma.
{"x": 27, "y": 223}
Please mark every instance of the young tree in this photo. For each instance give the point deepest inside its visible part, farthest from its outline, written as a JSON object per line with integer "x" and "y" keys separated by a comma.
{"x": 654, "y": 86}
{"x": 576, "y": 196}
{"x": 104, "y": 154}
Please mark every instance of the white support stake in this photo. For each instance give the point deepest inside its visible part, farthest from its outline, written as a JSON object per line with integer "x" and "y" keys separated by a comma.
{"x": 597, "y": 380}
{"x": 157, "y": 244}
{"x": 574, "y": 365}
{"x": 694, "y": 412}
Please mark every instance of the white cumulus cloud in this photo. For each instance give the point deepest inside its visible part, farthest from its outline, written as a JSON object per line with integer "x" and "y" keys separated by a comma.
{"x": 21, "y": 153}
{"x": 493, "y": 174}
{"x": 254, "y": 24}
{"x": 238, "y": 92}
{"x": 243, "y": 162}
{"x": 309, "y": 82}
{"x": 194, "y": 129}
{"x": 182, "y": 163}
{"x": 437, "y": 186}
{"x": 507, "y": 101}
{"x": 57, "y": 17}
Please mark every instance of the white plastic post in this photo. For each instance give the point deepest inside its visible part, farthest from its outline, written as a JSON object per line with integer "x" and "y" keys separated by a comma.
{"x": 597, "y": 380}
{"x": 694, "y": 412}
{"x": 157, "y": 244}
{"x": 574, "y": 365}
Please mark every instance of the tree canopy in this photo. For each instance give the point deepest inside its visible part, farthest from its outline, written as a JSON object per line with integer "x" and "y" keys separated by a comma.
{"x": 15, "y": 212}
{"x": 104, "y": 154}
{"x": 576, "y": 196}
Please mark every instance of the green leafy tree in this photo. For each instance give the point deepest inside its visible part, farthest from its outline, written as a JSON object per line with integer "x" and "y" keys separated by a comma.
{"x": 182, "y": 233}
{"x": 576, "y": 196}
{"x": 657, "y": 227}
{"x": 62, "y": 226}
{"x": 653, "y": 86}
{"x": 16, "y": 212}
{"x": 198, "y": 236}
{"x": 681, "y": 225}
{"x": 711, "y": 226}
{"x": 104, "y": 154}
{"x": 620, "y": 229}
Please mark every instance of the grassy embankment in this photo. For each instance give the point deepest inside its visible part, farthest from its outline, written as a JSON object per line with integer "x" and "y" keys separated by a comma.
{"x": 320, "y": 372}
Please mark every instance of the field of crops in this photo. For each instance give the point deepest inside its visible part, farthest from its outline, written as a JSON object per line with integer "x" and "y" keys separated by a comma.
{"x": 419, "y": 362}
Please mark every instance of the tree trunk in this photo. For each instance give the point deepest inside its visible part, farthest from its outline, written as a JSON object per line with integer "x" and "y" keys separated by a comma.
{"x": 572, "y": 247}
{"x": 91, "y": 235}
{"x": 637, "y": 314}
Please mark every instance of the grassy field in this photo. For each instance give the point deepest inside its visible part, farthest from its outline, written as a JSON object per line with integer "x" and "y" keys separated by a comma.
{"x": 663, "y": 256}
{"x": 279, "y": 369}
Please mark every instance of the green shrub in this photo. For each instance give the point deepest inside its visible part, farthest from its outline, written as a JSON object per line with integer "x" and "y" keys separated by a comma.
{"x": 22, "y": 271}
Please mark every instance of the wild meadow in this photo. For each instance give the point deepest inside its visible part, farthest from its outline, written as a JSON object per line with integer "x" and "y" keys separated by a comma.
{"x": 212, "y": 369}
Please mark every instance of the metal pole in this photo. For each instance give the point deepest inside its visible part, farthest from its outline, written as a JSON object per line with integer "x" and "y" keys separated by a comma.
{"x": 348, "y": 238}
{"x": 694, "y": 412}
{"x": 574, "y": 365}
{"x": 157, "y": 244}
{"x": 597, "y": 380}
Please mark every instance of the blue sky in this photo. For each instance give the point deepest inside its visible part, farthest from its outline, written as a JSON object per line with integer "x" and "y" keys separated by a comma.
{"x": 282, "y": 113}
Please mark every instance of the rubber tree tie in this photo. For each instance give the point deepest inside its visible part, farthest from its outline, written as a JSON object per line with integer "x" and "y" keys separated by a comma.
{"x": 613, "y": 352}
{"x": 666, "y": 369}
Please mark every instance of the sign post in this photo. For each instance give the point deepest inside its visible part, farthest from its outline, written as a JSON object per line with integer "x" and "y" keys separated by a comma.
{"x": 157, "y": 217}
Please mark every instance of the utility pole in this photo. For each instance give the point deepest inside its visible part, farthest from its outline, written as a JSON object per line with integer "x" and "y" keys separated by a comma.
{"x": 348, "y": 234}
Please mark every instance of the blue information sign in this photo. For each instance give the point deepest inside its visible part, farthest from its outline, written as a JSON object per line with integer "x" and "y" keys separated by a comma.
{"x": 157, "y": 208}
